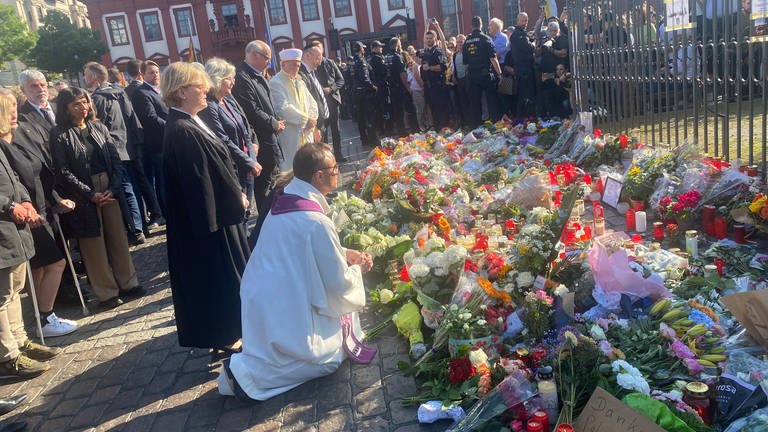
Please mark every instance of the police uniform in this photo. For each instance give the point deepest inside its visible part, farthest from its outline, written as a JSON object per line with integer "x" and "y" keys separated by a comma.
{"x": 522, "y": 54}
{"x": 397, "y": 91}
{"x": 477, "y": 53}
{"x": 379, "y": 77}
{"x": 435, "y": 90}
{"x": 364, "y": 96}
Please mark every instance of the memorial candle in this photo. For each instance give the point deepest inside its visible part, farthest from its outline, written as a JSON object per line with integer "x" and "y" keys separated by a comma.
{"x": 630, "y": 220}
{"x": 739, "y": 234}
{"x": 708, "y": 219}
{"x": 640, "y": 222}
{"x": 658, "y": 231}
{"x": 721, "y": 227}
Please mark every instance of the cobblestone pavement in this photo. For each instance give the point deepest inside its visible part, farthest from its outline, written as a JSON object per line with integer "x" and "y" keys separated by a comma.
{"x": 123, "y": 370}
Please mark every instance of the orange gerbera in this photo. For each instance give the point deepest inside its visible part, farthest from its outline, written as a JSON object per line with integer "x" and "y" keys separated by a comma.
{"x": 489, "y": 289}
{"x": 376, "y": 191}
{"x": 708, "y": 311}
{"x": 444, "y": 226}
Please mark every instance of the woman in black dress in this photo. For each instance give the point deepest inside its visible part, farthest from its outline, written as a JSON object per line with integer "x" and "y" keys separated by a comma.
{"x": 207, "y": 245}
{"x": 32, "y": 165}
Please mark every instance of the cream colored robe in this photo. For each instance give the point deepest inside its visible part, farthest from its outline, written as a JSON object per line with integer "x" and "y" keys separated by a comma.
{"x": 294, "y": 104}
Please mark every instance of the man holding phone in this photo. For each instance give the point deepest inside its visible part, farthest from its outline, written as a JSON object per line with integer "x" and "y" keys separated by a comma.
{"x": 433, "y": 68}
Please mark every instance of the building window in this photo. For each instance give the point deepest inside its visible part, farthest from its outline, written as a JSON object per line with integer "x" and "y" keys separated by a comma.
{"x": 342, "y": 7}
{"x": 309, "y": 10}
{"x": 151, "y": 23}
{"x": 480, "y": 8}
{"x": 185, "y": 26}
{"x": 118, "y": 31}
{"x": 229, "y": 14}
{"x": 511, "y": 9}
{"x": 450, "y": 20}
{"x": 277, "y": 12}
{"x": 396, "y": 4}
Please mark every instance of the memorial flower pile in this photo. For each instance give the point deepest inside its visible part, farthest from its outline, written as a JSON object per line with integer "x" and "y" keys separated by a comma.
{"x": 494, "y": 261}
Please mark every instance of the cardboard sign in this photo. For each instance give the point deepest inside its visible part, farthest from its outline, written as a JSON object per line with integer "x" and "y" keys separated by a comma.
{"x": 605, "y": 413}
{"x": 751, "y": 309}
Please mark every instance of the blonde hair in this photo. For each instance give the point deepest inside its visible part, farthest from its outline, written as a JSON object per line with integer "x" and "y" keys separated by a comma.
{"x": 7, "y": 102}
{"x": 218, "y": 69}
{"x": 179, "y": 75}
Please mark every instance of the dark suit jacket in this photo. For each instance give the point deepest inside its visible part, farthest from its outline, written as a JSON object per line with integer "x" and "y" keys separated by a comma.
{"x": 37, "y": 126}
{"x": 132, "y": 86}
{"x": 330, "y": 75}
{"x": 233, "y": 132}
{"x": 251, "y": 90}
{"x": 152, "y": 113}
{"x": 316, "y": 94}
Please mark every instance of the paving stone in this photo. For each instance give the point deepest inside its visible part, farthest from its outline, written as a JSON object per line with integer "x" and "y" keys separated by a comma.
{"x": 68, "y": 407}
{"x": 161, "y": 382}
{"x": 391, "y": 345}
{"x": 399, "y": 386}
{"x": 438, "y": 426}
{"x": 55, "y": 425}
{"x": 270, "y": 426}
{"x": 82, "y": 388}
{"x": 334, "y": 395}
{"x": 299, "y": 416}
{"x": 389, "y": 364}
{"x": 173, "y": 362}
{"x": 370, "y": 402}
{"x": 88, "y": 417}
{"x": 400, "y": 413}
{"x": 339, "y": 420}
{"x": 171, "y": 421}
{"x": 369, "y": 376}
{"x": 205, "y": 414}
{"x": 376, "y": 424}
{"x": 234, "y": 420}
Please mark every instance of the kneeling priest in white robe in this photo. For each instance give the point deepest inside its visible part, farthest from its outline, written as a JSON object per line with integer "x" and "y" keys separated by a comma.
{"x": 300, "y": 290}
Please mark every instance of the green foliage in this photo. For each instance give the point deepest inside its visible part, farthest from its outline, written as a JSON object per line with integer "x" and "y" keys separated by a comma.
{"x": 16, "y": 41}
{"x": 64, "y": 48}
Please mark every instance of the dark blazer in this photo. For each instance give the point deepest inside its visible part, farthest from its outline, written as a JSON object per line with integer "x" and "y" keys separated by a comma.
{"x": 34, "y": 169}
{"x": 316, "y": 94}
{"x": 73, "y": 173}
{"x": 251, "y": 90}
{"x": 233, "y": 133}
{"x": 38, "y": 127}
{"x": 115, "y": 110}
{"x": 152, "y": 113}
{"x": 16, "y": 245}
{"x": 132, "y": 86}
{"x": 330, "y": 75}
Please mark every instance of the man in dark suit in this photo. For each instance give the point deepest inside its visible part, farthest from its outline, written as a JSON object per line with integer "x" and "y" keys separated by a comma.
{"x": 37, "y": 112}
{"x": 152, "y": 112}
{"x": 332, "y": 80}
{"x": 310, "y": 59}
{"x": 134, "y": 70}
{"x": 251, "y": 91}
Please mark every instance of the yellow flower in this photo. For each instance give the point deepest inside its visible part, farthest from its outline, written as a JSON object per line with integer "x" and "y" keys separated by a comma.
{"x": 376, "y": 191}
{"x": 634, "y": 171}
{"x": 758, "y": 204}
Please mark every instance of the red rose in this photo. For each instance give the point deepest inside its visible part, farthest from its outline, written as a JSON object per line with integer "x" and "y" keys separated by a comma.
{"x": 460, "y": 370}
{"x": 598, "y": 133}
{"x": 404, "y": 274}
{"x": 623, "y": 141}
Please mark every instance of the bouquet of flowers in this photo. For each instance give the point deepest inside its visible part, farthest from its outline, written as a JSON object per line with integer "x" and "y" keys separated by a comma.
{"x": 680, "y": 208}
{"x": 754, "y": 212}
{"x": 435, "y": 270}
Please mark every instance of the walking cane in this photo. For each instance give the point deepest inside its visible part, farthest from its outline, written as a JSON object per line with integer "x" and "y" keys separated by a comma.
{"x": 86, "y": 312}
{"x": 34, "y": 303}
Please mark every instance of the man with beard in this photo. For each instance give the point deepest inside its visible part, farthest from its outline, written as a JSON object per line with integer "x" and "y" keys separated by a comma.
{"x": 522, "y": 54}
{"x": 332, "y": 80}
{"x": 433, "y": 67}
{"x": 398, "y": 84}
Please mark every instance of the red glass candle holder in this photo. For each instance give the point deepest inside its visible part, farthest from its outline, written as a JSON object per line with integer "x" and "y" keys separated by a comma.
{"x": 708, "y": 219}
{"x": 739, "y": 233}
{"x": 721, "y": 227}
{"x": 597, "y": 210}
{"x": 630, "y": 219}
{"x": 658, "y": 231}
{"x": 720, "y": 266}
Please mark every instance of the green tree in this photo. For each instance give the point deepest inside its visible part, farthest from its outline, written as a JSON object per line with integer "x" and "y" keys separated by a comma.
{"x": 64, "y": 48}
{"x": 16, "y": 41}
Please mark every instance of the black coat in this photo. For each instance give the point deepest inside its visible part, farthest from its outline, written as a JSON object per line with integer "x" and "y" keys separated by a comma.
{"x": 152, "y": 112}
{"x": 329, "y": 75}
{"x": 37, "y": 127}
{"x": 16, "y": 245}
{"x": 207, "y": 246}
{"x": 34, "y": 169}
{"x": 232, "y": 133}
{"x": 73, "y": 174}
{"x": 251, "y": 91}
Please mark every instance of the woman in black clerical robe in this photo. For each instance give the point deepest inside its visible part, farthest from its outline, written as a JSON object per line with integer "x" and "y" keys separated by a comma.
{"x": 207, "y": 246}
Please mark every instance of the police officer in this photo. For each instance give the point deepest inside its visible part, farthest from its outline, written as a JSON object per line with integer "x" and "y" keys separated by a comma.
{"x": 364, "y": 96}
{"x": 398, "y": 80}
{"x": 433, "y": 67}
{"x": 483, "y": 67}
{"x": 522, "y": 50}
{"x": 379, "y": 78}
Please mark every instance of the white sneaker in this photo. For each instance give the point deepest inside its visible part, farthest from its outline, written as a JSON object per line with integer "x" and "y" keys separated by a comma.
{"x": 58, "y": 327}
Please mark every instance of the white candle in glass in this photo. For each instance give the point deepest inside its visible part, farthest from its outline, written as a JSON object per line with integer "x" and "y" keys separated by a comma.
{"x": 640, "y": 222}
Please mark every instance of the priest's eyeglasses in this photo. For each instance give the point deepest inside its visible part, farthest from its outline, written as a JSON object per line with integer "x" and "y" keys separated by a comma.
{"x": 334, "y": 169}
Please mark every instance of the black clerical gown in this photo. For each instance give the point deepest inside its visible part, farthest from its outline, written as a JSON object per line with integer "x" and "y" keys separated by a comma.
{"x": 207, "y": 246}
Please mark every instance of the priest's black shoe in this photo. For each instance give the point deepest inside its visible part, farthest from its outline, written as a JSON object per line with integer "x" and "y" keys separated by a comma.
{"x": 9, "y": 404}
{"x": 135, "y": 292}
{"x": 110, "y": 304}
{"x": 13, "y": 427}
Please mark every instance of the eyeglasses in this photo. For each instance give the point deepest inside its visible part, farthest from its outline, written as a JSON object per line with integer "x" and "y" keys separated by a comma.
{"x": 334, "y": 169}
{"x": 262, "y": 54}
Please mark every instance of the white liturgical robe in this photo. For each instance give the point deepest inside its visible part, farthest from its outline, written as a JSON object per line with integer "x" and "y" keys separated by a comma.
{"x": 295, "y": 288}
{"x": 294, "y": 103}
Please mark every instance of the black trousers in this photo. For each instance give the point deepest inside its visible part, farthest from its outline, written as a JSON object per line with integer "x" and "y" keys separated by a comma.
{"x": 263, "y": 184}
{"x": 439, "y": 103}
{"x": 142, "y": 188}
{"x": 332, "y": 126}
{"x": 484, "y": 84}
{"x": 366, "y": 116}
{"x": 396, "y": 124}
{"x": 526, "y": 92}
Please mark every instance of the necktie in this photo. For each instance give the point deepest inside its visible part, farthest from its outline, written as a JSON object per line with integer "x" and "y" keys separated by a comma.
{"x": 48, "y": 115}
{"x": 322, "y": 94}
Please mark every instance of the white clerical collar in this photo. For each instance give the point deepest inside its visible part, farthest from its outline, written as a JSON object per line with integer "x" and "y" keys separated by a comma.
{"x": 306, "y": 190}
{"x": 197, "y": 120}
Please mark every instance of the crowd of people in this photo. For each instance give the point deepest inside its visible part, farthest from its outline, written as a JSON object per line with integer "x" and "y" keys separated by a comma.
{"x": 460, "y": 81}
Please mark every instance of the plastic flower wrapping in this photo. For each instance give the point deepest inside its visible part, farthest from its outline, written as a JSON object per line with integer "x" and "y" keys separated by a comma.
{"x": 489, "y": 261}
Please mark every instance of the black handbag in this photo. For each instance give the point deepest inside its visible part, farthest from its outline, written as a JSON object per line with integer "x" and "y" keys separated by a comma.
{"x": 507, "y": 86}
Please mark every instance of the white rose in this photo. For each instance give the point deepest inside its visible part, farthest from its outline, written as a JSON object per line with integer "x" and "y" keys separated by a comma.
{"x": 525, "y": 279}
{"x": 386, "y": 295}
{"x": 597, "y": 332}
{"x": 478, "y": 357}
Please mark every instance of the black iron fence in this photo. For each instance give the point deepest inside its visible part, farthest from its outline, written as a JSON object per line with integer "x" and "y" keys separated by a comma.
{"x": 675, "y": 71}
